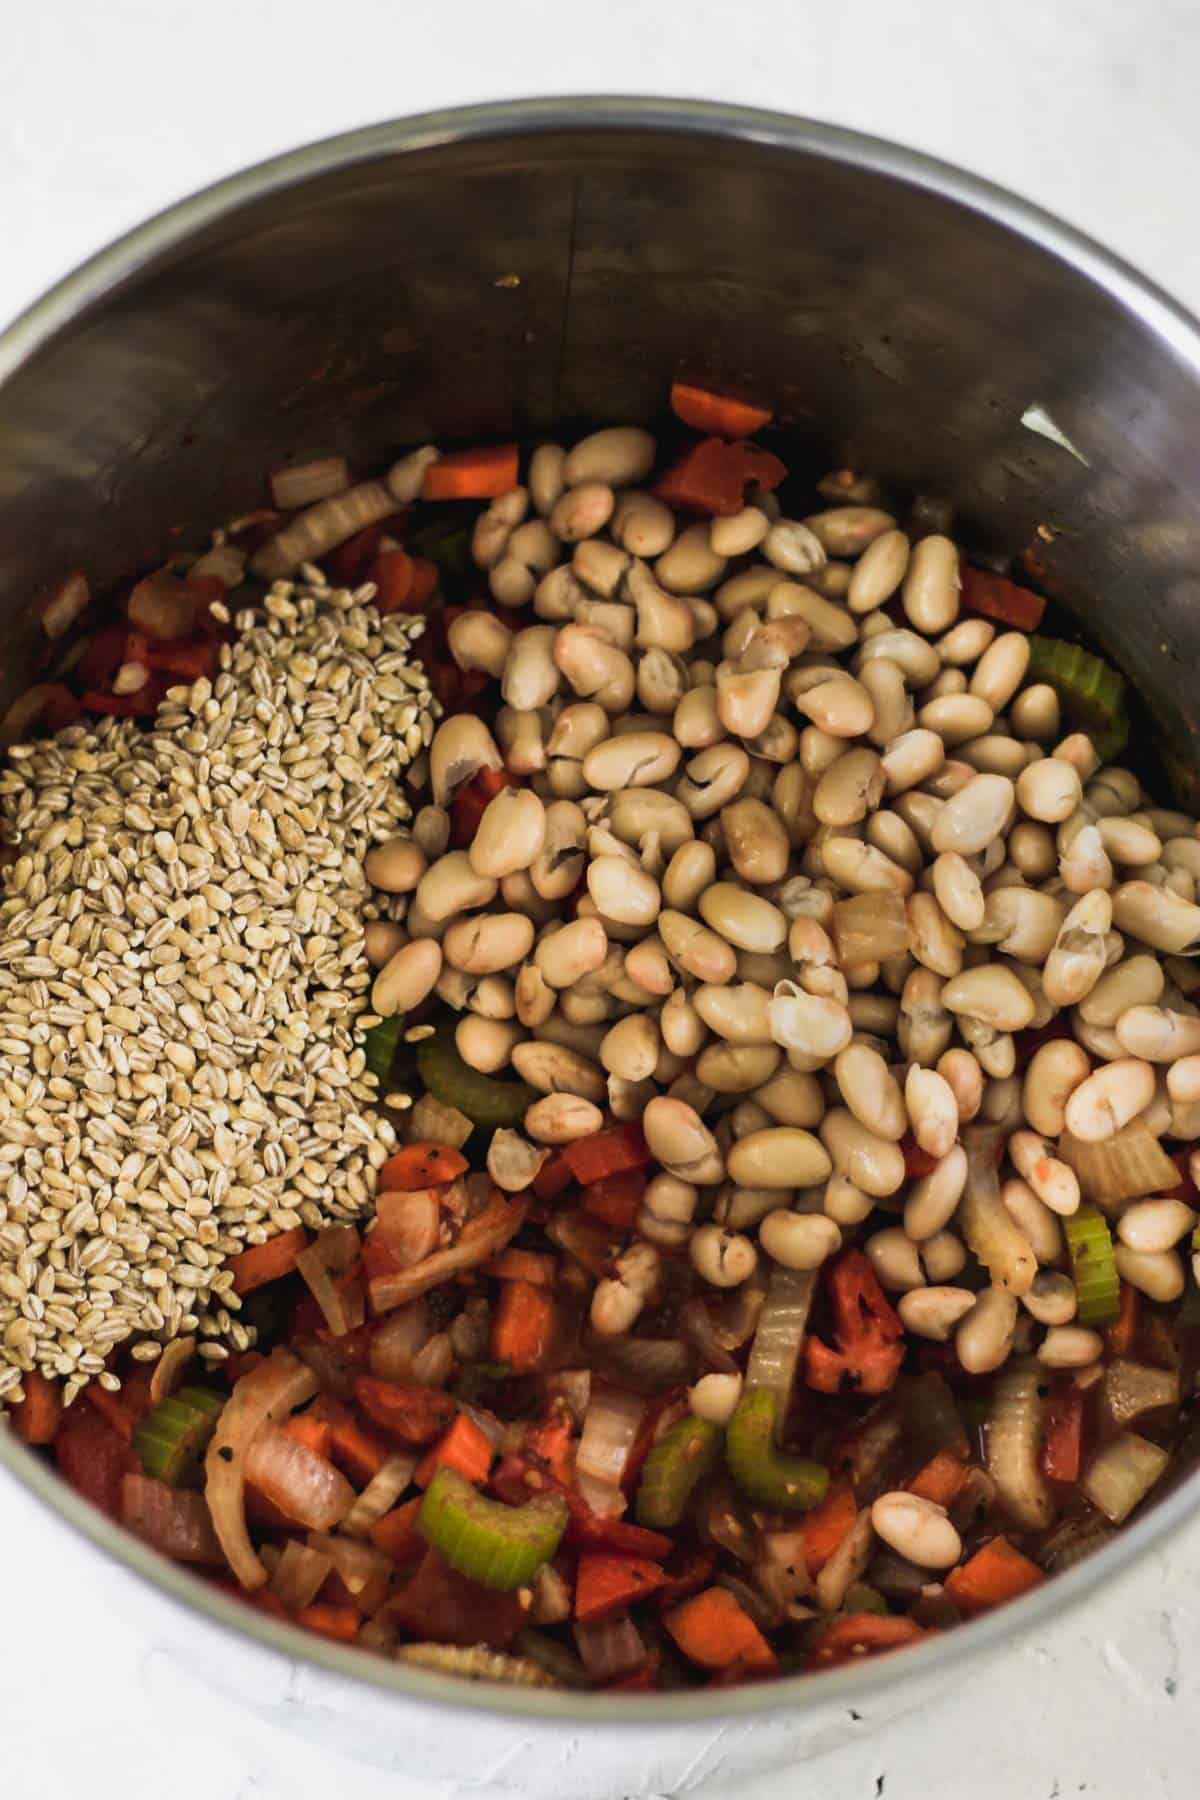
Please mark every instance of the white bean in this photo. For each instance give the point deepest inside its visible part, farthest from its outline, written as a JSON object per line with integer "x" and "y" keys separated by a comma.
{"x": 1070, "y": 1347}
{"x": 1157, "y": 1274}
{"x": 1151, "y": 1226}
{"x": 933, "y": 1312}
{"x": 915, "y": 1528}
{"x": 984, "y": 1338}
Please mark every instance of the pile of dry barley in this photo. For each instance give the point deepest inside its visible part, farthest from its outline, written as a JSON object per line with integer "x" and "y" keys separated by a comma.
{"x": 181, "y": 972}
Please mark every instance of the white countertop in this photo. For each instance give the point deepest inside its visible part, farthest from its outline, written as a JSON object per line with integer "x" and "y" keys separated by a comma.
{"x": 108, "y": 113}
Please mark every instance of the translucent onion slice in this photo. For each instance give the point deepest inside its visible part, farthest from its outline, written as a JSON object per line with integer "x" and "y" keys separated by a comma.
{"x": 1123, "y": 1473}
{"x": 380, "y": 1494}
{"x": 270, "y": 1391}
{"x": 990, "y": 1230}
{"x": 775, "y": 1353}
{"x": 299, "y": 1574}
{"x": 299, "y": 1481}
{"x": 609, "y": 1430}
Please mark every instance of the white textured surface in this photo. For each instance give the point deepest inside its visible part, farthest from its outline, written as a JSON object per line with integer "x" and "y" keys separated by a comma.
{"x": 108, "y": 113}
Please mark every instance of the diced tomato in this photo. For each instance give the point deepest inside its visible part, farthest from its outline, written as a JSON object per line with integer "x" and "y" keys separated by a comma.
{"x": 917, "y": 1162}
{"x": 606, "y": 1583}
{"x": 590, "y": 1530}
{"x": 472, "y": 800}
{"x": 405, "y": 1409}
{"x": 868, "y": 1333}
{"x": 1062, "y": 1442}
{"x": 761, "y": 468}
{"x": 440, "y": 1605}
{"x": 999, "y": 599}
{"x": 616, "y": 1199}
{"x": 92, "y": 1457}
{"x": 612, "y": 1151}
{"x": 553, "y": 1178}
{"x": 856, "y": 1635}
{"x": 709, "y": 478}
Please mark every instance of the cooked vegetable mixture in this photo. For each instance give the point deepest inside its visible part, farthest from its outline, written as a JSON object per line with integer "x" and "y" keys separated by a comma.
{"x": 648, "y": 1149}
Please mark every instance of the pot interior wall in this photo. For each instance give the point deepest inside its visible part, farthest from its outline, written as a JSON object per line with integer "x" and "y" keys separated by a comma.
{"x": 495, "y": 285}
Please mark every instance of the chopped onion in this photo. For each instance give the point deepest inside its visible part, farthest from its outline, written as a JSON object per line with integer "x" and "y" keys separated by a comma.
{"x": 1124, "y": 1167}
{"x": 321, "y": 1286}
{"x": 1122, "y": 1474}
{"x": 169, "y": 1367}
{"x": 608, "y": 1501}
{"x": 394, "y": 1343}
{"x": 366, "y": 1572}
{"x": 380, "y": 1494}
{"x": 270, "y": 1391}
{"x": 223, "y": 561}
{"x": 303, "y": 484}
{"x": 173, "y": 1520}
{"x": 551, "y": 1597}
{"x": 432, "y": 1364}
{"x": 299, "y": 1481}
{"x": 438, "y": 1123}
{"x": 846, "y": 1564}
{"x": 299, "y": 1575}
{"x": 550, "y": 1655}
{"x": 775, "y": 1353}
{"x": 334, "y": 1369}
{"x": 575, "y": 1387}
{"x": 478, "y": 1241}
{"x": 986, "y": 1223}
{"x": 380, "y": 1635}
{"x": 1014, "y": 1435}
{"x": 410, "y": 1223}
{"x": 696, "y": 1322}
{"x": 610, "y": 1648}
{"x": 609, "y": 1431}
{"x": 330, "y": 1254}
{"x": 68, "y": 602}
{"x": 586, "y": 1239}
{"x": 162, "y": 606}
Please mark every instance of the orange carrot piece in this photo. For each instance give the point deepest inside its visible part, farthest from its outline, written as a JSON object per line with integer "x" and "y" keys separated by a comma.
{"x": 355, "y": 1450}
{"x": 823, "y": 1529}
{"x": 338, "y": 1622}
{"x": 709, "y": 478}
{"x": 716, "y": 415}
{"x": 465, "y": 1448}
{"x": 553, "y": 1178}
{"x": 396, "y": 1533}
{"x": 713, "y": 1630}
{"x": 523, "y": 1325}
{"x": 995, "y": 1573}
{"x": 482, "y": 474}
{"x": 608, "y": 1152}
{"x": 114, "y": 1408}
{"x": 522, "y": 1265}
{"x": 421, "y": 1166}
{"x": 261, "y": 1263}
{"x": 605, "y": 1584}
{"x": 315, "y": 1434}
{"x": 37, "y": 1417}
{"x": 1124, "y": 1328}
{"x": 941, "y": 1479}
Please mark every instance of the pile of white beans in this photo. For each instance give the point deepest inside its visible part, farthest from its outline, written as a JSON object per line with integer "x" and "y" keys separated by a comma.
{"x": 830, "y": 866}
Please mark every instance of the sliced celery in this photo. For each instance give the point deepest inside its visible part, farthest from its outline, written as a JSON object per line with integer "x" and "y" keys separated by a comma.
{"x": 499, "y": 1546}
{"x": 766, "y": 1474}
{"x": 1093, "y": 1265}
{"x": 1093, "y": 694}
{"x": 498, "y": 1104}
{"x": 379, "y": 1046}
{"x": 681, "y": 1459}
{"x": 173, "y": 1437}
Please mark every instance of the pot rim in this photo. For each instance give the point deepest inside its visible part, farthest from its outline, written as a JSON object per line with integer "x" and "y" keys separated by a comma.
{"x": 122, "y": 261}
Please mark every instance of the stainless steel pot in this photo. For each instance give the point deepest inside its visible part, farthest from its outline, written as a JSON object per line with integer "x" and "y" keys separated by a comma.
{"x": 492, "y": 270}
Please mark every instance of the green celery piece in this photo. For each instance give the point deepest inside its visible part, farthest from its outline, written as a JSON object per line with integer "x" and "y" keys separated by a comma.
{"x": 680, "y": 1459}
{"x": 1093, "y": 695}
{"x": 173, "y": 1437}
{"x": 1093, "y": 1265}
{"x": 484, "y": 1100}
{"x": 766, "y": 1474}
{"x": 499, "y": 1546}
{"x": 379, "y": 1046}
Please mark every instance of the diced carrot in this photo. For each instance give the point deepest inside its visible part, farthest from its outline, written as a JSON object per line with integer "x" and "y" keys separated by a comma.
{"x": 941, "y": 1479}
{"x": 315, "y": 1434}
{"x": 551, "y": 1442}
{"x": 405, "y": 1409}
{"x": 616, "y": 1199}
{"x": 597, "y": 1531}
{"x": 553, "y": 1178}
{"x": 392, "y": 573}
{"x": 605, "y": 1584}
{"x": 995, "y": 1573}
{"x": 396, "y": 1533}
{"x": 710, "y": 479}
{"x": 464, "y": 1447}
{"x": 261, "y": 1263}
{"x": 522, "y": 1265}
{"x": 359, "y": 1453}
{"x": 482, "y": 474}
{"x": 713, "y": 1630}
{"x": 421, "y": 1166}
{"x": 37, "y": 1417}
{"x": 823, "y": 1529}
{"x": 338, "y": 1622}
{"x": 716, "y": 415}
{"x": 608, "y": 1152}
{"x": 1121, "y": 1333}
{"x": 856, "y": 1635}
{"x": 523, "y": 1325}
{"x": 1062, "y": 1441}
{"x": 999, "y": 599}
